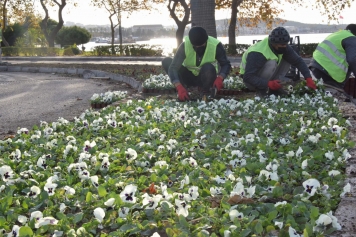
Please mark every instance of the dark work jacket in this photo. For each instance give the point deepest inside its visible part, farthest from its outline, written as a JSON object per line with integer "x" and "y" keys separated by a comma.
{"x": 255, "y": 61}
{"x": 224, "y": 63}
{"x": 349, "y": 44}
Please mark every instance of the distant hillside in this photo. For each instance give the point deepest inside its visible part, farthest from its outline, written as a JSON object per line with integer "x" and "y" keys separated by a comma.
{"x": 291, "y": 25}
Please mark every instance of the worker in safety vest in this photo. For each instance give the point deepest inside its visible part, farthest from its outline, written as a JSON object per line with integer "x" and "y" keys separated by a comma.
{"x": 200, "y": 61}
{"x": 265, "y": 64}
{"x": 335, "y": 58}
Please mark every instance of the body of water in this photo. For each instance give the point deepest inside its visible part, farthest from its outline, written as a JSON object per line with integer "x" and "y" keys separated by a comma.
{"x": 168, "y": 44}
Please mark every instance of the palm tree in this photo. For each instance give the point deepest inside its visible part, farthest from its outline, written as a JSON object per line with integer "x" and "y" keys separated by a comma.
{"x": 203, "y": 14}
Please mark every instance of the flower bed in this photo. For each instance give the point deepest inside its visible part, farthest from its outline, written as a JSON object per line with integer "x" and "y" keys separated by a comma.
{"x": 99, "y": 101}
{"x": 225, "y": 167}
{"x": 158, "y": 84}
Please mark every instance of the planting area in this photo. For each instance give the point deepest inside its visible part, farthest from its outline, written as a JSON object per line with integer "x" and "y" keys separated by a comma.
{"x": 157, "y": 167}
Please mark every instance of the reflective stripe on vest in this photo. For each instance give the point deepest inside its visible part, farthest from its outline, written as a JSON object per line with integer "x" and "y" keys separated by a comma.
{"x": 331, "y": 55}
{"x": 260, "y": 47}
{"x": 208, "y": 57}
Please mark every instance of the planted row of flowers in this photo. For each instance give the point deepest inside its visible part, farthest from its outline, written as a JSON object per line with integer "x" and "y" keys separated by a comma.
{"x": 158, "y": 168}
{"x": 102, "y": 100}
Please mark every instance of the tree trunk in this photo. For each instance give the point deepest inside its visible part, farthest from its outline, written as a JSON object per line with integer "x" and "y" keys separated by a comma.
{"x": 180, "y": 33}
{"x": 203, "y": 14}
{"x": 232, "y": 27}
{"x": 3, "y": 26}
{"x": 112, "y": 36}
{"x": 52, "y": 35}
{"x": 184, "y": 22}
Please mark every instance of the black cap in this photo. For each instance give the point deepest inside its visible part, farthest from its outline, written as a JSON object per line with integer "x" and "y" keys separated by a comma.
{"x": 279, "y": 35}
{"x": 351, "y": 28}
{"x": 198, "y": 35}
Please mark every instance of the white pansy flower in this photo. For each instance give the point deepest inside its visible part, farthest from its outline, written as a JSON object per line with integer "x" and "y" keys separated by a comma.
{"x": 110, "y": 202}
{"x": 329, "y": 155}
{"x": 233, "y": 214}
{"x": 334, "y": 173}
{"x": 22, "y": 219}
{"x": 49, "y": 188}
{"x": 347, "y": 189}
{"x": 299, "y": 152}
{"x": 293, "y": 233}
{"x": 131, "y": 154}
{"x": 99, "y": 214}
{"x": 69, "y": 190}
{"x": 128, "y": 194}
{"x": 34, "y": 192}
{"x": 279, "y": 224}
{"x": 62, "y": 207}
{"x": 182, "y": 207}
{"x": 311, "y": 186}
{"x": 46, "y": 221}
{"x": 305, "y": 164}
{"x": 280, "y": 203}
{"x": 123, "y": 212}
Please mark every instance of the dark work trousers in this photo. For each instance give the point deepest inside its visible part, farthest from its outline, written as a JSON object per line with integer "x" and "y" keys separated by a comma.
{"x": 327, "y": 79}
{"x": 204, "y": 80}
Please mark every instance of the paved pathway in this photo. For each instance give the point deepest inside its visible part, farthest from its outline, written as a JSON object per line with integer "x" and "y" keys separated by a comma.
{"x": 28, "y": 98}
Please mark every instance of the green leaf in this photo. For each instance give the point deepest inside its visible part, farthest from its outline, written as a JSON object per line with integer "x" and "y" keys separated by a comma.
{"x": 259, "y": 227}
{"x": 61, "y": 216}
{"x": 183, "y": 222}
{"x": 88, "y": 197}
{"x": 25, "y": 231}
{"x": 78, "y": 217}
{"x": 273, "y": 214}
{"x": 314, "y": 212}
{"x": 245, "y": 232}
{"x": 102, "y": 191}
{"x": 277, "y": 192}
{"x": 25, "y": 204}
{"x": 127, "y": 227}
{"x": 2, "y": 221}
{"x": 153, "y": 178}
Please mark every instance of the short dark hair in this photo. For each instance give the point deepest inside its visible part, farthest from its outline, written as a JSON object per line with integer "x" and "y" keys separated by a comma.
{"x": 351, "y": 28}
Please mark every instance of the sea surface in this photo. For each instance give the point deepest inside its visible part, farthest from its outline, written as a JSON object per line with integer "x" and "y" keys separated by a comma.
{"x": 168, "y": 44}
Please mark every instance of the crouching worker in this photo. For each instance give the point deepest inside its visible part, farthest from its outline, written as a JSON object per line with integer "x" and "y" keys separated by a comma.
{"x": 265, "y": 64}
{"x": 200, "y": 61}
{"x": 335, "y": 58}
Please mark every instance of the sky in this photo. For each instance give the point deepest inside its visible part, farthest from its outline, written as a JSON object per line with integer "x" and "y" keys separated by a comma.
{"x": 88, "y": 15}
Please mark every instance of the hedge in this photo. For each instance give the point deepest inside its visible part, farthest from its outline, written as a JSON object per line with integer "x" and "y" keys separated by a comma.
{"x": 16, "y": 51}
{"x": 306, "y": 50}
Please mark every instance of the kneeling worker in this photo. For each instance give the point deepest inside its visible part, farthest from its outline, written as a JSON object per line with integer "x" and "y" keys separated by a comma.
{"x": 200, "y": 61}
{"x": 265, "y": 64}
{"x": 335, "y": 58}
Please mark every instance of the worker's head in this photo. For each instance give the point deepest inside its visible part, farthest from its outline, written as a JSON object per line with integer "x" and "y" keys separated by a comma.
{"x": 198, "y": 36}
{"x": 351, "y": 28}
{"x": 278, "y": 39}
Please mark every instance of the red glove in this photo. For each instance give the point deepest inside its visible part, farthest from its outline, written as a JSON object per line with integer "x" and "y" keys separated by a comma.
{"x": 310, "y": 83}
{"x": 182, "y": 93}
{"x": 218, "y": 83}
{"x": 274, "y": 84}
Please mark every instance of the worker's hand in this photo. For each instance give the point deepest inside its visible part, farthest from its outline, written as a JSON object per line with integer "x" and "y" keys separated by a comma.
{"x": 182, "y": 93}
{"x": 310, "y": 83}
{"x": 274, "y": 85}
{"x": 218, "y": 83}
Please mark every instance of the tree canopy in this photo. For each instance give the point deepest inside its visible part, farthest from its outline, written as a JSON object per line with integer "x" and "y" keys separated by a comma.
{"x": 72, "y": 35}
